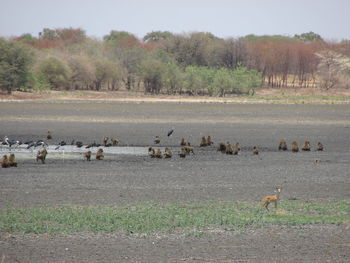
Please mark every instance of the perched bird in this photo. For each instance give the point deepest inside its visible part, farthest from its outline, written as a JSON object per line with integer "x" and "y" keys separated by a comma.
{"x": 79, "y": 144}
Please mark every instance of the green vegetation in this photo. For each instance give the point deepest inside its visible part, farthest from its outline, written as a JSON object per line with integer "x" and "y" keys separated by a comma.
{"x": 151, "y": 217}
{"x": 197, "y": 63}
{"x": 15, "y": 60}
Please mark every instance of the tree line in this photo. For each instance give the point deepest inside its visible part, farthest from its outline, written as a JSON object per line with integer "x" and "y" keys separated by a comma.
{"x": 197, "y": 63}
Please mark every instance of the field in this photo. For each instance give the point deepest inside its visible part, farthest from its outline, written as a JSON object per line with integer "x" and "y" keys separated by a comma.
{"x": 203, "y": 208}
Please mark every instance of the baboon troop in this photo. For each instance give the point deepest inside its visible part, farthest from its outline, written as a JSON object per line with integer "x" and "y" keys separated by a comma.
{"x": 319, "y": 146}
{"x": 256, "y": 150}
{"x": 41, "y": 155}
{"x": 306, "y": 146}
{"x": 272, "y": 199}
{"x": 206, "y": 141}
{"x": 295, "y": 147}
{"x": 99, "y": 154}
{"x": 12, "y": 161}
{"x": 87, "y": 156}
{"x": 283, "y": 146}
{"x": 49, "y": 135}
{"x": 5, "y": 161}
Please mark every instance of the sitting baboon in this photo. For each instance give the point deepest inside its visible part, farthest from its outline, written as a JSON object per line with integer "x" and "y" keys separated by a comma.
{"x": 183, "y": 142}
{"x": 49, "y": 135}
{"x": 222, "y": 147}
{"x": 12, "y": 161}
{"x": 168, "y": 153}
{"x": 204, "y": 142}
{"x": 295, "y": 147}
{"x": 105, "y": 140}
{"x": 158, "y": 154}
{"x": 5, "y": 162}
{"x": 115, "y": 141}
{"x": 319, "y": 146}
{"x": 188, "y": 149}
{"x": 183, "y": 152}
{"x": 99, "y": 154}
{"x": 209, "y": 141}
{"x": 229, "y": 148}
{"x": 87, "y": 156}
{"x": 238, "y": 147}
{"x": 256, "y": 150}
{"x": 41, "y": 155}
{"x": 306, "y": 146}
{"x": 282, "y": 146}
{"x": 157, "y": 140}
{"x": 151, "y": 152}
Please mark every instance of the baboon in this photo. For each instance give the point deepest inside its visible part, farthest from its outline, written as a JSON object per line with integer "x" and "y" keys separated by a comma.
{"x": 115, "y": 141}
{"x": 272, "y": 199}
{"x": 41, "y": 155}
{"x": 306, "y": 146}
{"x": 319, "y": 146}
{"x": 295, "y": 147}
{"x": 158, "y": 154}
{"x": 282, "y": 146}
{"x": 188, "y": 149}
{"x": 204, "y": 142}
{"x": 183, "y": 152}
{"x": 256, "y": 150}
{"x": 12, "y": 161}
{"x": 168, "y": 153}
{"x": 238, "y": 147}
{"x": 87, "y": 156}
{"x": 183, "y": 142}
{"x": 209, "y": 141}
{"x": 5, "y": 162}
{"x": 157, "y": 140}
{"x": 105, "y": 140}
{"x": 222, "y": 147}
{"x": 49, "y": 135}
{"x": 99, "y": 154}
{"x": 229, "y": 148}
{"x": 151, "y": 152}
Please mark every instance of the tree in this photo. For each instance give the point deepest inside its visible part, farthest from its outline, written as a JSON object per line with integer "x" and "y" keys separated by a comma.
{"x": 15, "y": 61}
{"x": 155, "y": 36}
{"x": 55, "y": 71}
{"x": 151, "y": 71}
{"x": 308, "y": 37}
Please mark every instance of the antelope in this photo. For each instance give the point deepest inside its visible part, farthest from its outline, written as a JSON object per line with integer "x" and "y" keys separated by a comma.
{"x": 272, "y": 199}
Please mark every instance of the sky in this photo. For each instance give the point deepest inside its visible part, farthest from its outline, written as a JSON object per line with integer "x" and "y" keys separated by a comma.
{"x": 223, "y": 18}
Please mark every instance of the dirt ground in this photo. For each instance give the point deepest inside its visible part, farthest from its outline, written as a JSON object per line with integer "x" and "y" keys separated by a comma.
{"x": 207, "y": 175}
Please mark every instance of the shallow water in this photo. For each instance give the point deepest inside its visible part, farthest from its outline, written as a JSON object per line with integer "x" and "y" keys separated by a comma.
{"x": 71, "y": 151}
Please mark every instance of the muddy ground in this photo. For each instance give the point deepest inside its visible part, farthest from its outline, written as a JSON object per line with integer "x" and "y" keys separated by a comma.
{"x": 207, "y": 175}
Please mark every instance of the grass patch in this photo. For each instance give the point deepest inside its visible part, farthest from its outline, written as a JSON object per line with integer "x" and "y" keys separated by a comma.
{"x": 151, "y": 217}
